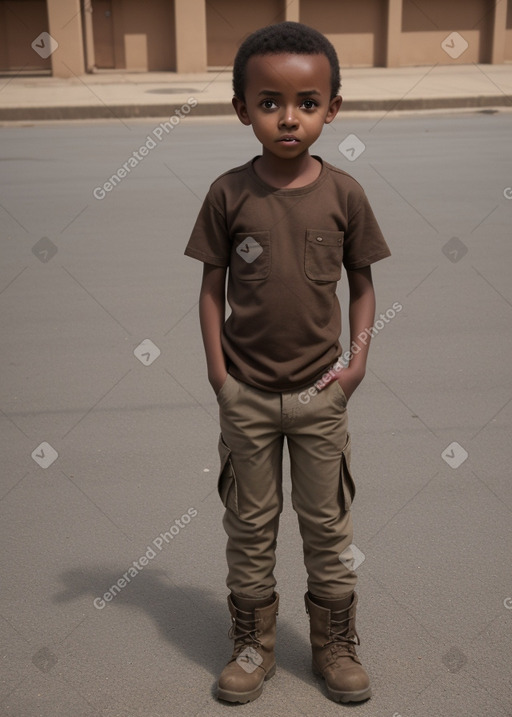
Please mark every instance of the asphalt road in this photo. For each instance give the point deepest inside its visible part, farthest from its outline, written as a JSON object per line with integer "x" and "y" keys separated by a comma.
{"x": 108, "y": 427}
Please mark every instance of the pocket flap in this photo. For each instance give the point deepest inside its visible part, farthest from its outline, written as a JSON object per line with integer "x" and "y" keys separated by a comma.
{"x": 324, "y": 254}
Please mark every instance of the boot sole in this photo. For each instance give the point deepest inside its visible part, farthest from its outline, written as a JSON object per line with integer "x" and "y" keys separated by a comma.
{"x": 244, "y": 697}
{"x": 339, "y": 696}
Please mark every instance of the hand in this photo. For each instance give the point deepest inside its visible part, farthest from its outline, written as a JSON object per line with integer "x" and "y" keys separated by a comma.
{"x": 349, "y": 379}
{"x": 217, "y": 382}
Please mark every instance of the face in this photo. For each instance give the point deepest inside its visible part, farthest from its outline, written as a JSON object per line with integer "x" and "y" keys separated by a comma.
{"x": 287, "y": 101}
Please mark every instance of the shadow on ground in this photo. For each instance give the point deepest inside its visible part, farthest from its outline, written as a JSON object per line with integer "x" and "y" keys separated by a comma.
{"x": 192, "y": 618}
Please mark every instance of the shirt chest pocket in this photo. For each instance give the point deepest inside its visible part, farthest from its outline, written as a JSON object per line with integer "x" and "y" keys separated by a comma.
{"x": 250, "y": 256}
{"x": 323, "y": 255}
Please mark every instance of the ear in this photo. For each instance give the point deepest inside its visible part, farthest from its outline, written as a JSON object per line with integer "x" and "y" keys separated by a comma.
{"x": 241, "y": 110}
{"x": 334, "y": 108}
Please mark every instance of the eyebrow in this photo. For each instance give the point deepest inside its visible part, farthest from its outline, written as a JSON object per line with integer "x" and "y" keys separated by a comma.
{"x": 303, "y": 93}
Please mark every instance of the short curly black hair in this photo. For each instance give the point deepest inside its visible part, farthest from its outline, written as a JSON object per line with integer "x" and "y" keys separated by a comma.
{"x": 284, "y": 37}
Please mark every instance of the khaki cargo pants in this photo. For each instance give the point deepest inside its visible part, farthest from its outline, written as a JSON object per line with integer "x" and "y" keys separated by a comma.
{"x": 253, "y": 426}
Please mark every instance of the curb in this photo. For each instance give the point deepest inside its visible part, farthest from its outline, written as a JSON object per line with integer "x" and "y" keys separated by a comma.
{"x": 213, "y": 109}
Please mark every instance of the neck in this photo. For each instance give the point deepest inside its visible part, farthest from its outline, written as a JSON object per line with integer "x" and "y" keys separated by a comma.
{"x": 287, "y": 173}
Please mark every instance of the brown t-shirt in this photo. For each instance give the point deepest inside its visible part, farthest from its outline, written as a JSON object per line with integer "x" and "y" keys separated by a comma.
{"x": 284, "y": 249}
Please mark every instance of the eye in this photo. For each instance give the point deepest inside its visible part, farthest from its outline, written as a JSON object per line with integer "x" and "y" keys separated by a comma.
{"x": 309, "y": 104}
{"x": 268, "y": 104}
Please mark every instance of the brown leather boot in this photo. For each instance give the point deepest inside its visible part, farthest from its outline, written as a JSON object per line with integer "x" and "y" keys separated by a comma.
{"x": 252, "y": 662}
{"x": 333, "y": 640}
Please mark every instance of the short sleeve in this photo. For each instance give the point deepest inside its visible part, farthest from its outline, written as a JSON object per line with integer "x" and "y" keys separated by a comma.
{"x": 364, "y": 243}
{"x": 209, "y": 240}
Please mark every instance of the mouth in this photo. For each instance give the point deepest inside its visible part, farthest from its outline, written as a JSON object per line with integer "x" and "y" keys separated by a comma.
{"x": 288, "y": 139}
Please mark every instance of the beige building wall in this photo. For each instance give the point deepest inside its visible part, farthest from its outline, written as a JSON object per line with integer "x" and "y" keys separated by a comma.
{"x": 508, "y": 34}
{"x": 190, "y": 18}
{"x": 65, "y": 28}
{"x": 228, "y": 22}
{"x": 132, "y": 36}
{"x": 196, "y": 35}
{"x": 425, "y": 27}
{"x": 144, "y": 40}
{"x": 356, "y": 29}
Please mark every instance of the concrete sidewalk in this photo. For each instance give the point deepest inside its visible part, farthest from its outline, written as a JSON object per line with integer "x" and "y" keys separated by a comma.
{"x": 119, "y": 94}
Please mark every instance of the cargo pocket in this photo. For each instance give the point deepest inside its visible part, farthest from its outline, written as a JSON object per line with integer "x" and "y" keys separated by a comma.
{"x": 226, "y": 484}
{"x": 323, "y": 255}
{"x": 347, "y": 485}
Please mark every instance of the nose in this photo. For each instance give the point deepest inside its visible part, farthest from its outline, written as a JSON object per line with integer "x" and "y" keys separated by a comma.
{"x": 289, "y": 117}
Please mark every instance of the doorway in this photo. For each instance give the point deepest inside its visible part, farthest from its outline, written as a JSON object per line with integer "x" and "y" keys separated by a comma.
{"x": 103, "y": 30}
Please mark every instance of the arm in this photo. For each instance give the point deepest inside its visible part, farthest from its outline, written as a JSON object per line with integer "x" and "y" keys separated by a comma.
{"x": 212, "y": 307}
{"x": 361, "y": 317}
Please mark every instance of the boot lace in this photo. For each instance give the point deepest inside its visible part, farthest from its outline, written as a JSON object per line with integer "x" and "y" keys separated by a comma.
{"x": 243, "y": 632}
{"x": 343, "y": 637}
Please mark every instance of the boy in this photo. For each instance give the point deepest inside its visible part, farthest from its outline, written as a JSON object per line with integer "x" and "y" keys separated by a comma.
{"x": 284, "y": 223}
